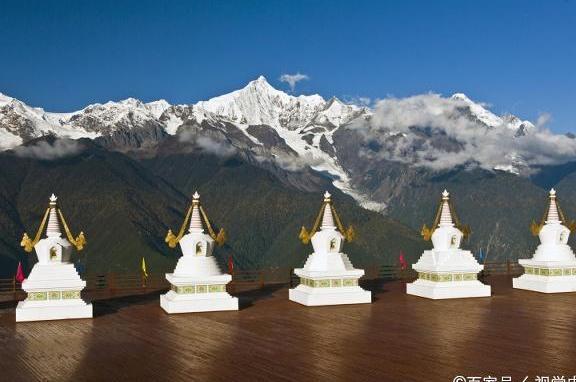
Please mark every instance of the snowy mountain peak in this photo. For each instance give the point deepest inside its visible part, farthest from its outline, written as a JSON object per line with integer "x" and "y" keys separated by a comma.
{"x": 482, "y": 114}
{"x": 259, "y": 103}
{"x": 336, "y": 113}
{"x": 261, "y": 81}
{"x": 334, "y": 100}
{"x": 159, "y": 103}
{"x": 133, "y": 102}
{"x": 4, "y": 99}
{"x": 261, "y": 78}
{"x": 154, "y": 108}
{"x": 479, "y": 111}
{"x": 157, "y": 107}
{"x": 461, "y": 97}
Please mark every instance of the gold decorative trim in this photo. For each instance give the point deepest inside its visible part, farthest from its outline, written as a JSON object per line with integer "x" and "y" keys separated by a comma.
{"x": 201, "y": 288}
{"x": 37, "y": 296}
{"x": 54, "y": 295}
{"x": 329, "y": 283}
{"x": 550, "y": 272}
{"x": 70, "y": 294}
{"x": 447, "y": 277}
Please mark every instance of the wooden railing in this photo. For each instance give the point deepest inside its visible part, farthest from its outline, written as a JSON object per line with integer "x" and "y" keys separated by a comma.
{"x": 11, "y": 290}
{"x": 118, "y": 285}
{"x": 242, "y": 280}
{"x": 509, "y": 268}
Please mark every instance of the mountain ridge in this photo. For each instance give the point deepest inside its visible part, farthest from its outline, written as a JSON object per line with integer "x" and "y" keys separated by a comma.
{"x": 394, "y": 158}
{"x": 125, "y": 206}
{"x": 304, "y": 126}
{"x": 217, "y": 106}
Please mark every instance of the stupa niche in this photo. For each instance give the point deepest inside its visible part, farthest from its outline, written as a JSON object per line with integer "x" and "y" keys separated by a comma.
{"x": 446, "y": 271}
{"x": 53, "y": 285}
{"x": 198, "y": 284}
{"x": 552, "y": 269}
{"x": 328, "y": 277}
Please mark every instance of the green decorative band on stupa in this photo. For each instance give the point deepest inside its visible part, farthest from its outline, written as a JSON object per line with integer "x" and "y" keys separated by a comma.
{"x": 200, "y": 288}
{"x": 447, "y": 277}
{"x": 550, "y": 272}
{"x": 54, "y": 295}
{"x": 329, "y": 283}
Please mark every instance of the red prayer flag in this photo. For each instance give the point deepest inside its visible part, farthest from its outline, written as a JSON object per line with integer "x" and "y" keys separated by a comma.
{"x": 230, "y": 264}
{"x": 403, "y": 262}
{"x": 20, "y": 273}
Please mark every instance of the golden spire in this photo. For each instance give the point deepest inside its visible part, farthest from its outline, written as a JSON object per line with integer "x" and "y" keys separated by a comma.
{"x": 445, "y": 216}
{"x": 327, "y": 219}
{"x": 195, "y": 215}
{"x": 553, "y": 214}
{"x": 52, "y": 214}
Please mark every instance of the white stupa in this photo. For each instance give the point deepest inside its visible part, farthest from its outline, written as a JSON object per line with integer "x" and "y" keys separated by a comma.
{"x": 328, "y": 277}
{"x": 446, "y": 271}
{"x": 553, "y": 267}
{"x": 198, "y": 284}
{"x": 53, "y": 286}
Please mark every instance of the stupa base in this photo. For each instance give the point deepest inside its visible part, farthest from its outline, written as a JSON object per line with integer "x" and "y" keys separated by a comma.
{"x": 545, "y": 284}
{"x": 173, "y": 302}
{"x": 311, "y": 296}
{"x": 38, "y": 311}
{"x": 445, "y": 290}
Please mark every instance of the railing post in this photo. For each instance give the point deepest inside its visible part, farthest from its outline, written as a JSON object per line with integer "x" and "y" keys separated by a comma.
{"x": 261, "y": 279}
{"x": 14, "y": 284}
{"x": 112, "y": 284}
{"x": 372, "y": 272}
{"x": 508, "y": 267}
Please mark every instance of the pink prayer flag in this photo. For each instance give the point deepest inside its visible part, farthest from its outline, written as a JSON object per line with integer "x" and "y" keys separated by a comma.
{"x": 403, "y": 262}
{"x": 20, "y": 273}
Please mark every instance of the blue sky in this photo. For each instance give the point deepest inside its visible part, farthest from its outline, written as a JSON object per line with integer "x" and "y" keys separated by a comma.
{"x": 518, "y": 56}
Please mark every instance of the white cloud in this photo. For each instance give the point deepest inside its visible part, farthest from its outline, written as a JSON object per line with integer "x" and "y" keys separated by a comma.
{"x": 43, "y": 150}
{"x": 543, "y": 120}
{"x": 219, "y": 148}
{"x": 295, "y": 163}
{"x": 293, "y": 79}
{"x": 210, "y": 145}
{"x": 436, "y": 132}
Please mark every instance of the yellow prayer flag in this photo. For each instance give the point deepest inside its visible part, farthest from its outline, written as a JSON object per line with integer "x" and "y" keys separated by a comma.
{"x": 144, "y": 272}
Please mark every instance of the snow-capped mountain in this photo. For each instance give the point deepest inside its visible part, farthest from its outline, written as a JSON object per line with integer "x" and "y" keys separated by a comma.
{"x": 398, "y": 155}
{"x": 20, "y": 122}
{"x": 485, "y": 116}
{"x": 259, "y": 120}
{"x": 256, "y": 104}
{"x": 261, "y": 104}
{"x": 304, "y": 123}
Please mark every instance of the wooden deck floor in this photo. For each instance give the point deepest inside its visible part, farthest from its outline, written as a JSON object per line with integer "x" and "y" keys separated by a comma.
{"x": 397, "y": 338}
